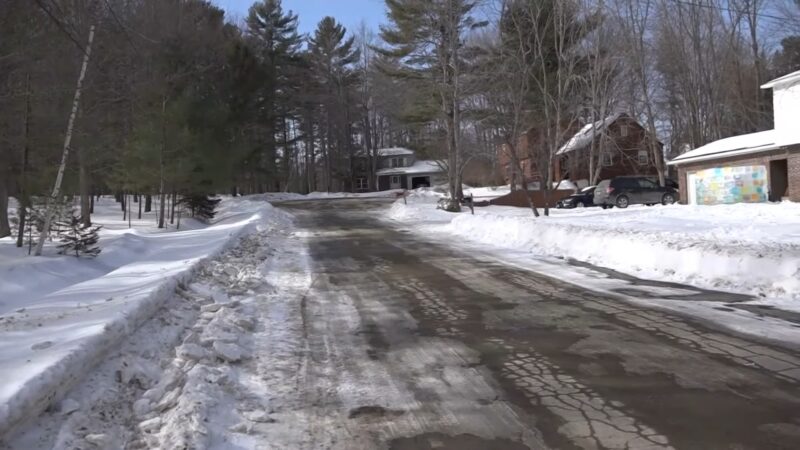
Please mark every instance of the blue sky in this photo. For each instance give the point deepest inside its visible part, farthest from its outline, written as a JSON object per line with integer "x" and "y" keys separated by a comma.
{"x": 348, "y": 12}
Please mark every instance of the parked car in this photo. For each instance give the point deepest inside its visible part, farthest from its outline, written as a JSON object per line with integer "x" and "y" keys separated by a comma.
{"x": 668, "y": 182}
{"x": 632, "y": 190}
{"x": 584, "y": 197}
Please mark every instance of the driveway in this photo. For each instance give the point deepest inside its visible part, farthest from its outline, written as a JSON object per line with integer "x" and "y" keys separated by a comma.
{"x": 413, "y": 344}
{"x": 349, "y": 333}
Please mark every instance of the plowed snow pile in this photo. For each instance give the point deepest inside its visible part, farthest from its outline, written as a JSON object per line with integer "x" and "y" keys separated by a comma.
{"x": 60, "y": 315}
{"x": 746, "y": 248}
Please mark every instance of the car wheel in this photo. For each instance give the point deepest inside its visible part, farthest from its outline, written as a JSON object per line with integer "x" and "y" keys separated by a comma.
{"x": 580, "y": 205}
{"x": 668, "y": 199}
{"x": 622, "y": 201}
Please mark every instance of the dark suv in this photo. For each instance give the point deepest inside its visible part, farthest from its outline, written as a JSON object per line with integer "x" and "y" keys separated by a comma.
{"x": 624, "y": 191}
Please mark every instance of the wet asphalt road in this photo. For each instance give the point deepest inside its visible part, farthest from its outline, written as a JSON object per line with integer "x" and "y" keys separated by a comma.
{"x": 464, "y": 352}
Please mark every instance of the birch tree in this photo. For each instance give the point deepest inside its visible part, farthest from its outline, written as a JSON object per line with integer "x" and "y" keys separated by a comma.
{"x": 556, "y": 27}
{"x": 601, "y": 80}
{"x": 54, "y": 197}
{"x": 636, "y": 19}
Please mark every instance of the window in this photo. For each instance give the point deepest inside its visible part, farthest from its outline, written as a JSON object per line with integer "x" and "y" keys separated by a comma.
{"x": 644, "y": 158}
{"x": 647, "y": 183}
{"x": 623, "y": 130}
{"x": 361, "y": 183}
{"x": 395, "y": 180}
{"x": 398, "y": 162}
{"x": 625, "y": 183}
{"x": 607, "y": 159}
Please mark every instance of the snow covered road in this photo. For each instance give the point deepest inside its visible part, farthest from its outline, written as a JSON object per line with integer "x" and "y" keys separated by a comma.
{"x": 348, "y": 333}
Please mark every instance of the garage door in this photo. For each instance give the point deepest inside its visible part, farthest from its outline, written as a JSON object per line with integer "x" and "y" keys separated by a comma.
{"x": 724, "y": 185}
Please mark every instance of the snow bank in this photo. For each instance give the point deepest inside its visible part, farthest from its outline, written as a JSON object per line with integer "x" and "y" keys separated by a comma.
{"x": 421, "y": 205}
{"x": 60, "y": 315}
{"x": 292, "y": 196}
{"x": 746, "y": 248}
{"x": 487, "y": 193}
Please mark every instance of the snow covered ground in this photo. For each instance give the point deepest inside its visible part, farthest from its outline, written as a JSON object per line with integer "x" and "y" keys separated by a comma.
{"x": 480, "y": 193}
{"x": 745, "y": 248}
{"x": 192, "y": 375}
{"x": 60, "y": 315}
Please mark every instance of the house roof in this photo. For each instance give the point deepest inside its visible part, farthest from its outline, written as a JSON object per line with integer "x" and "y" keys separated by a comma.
{"x": 394, "y": 151}
{"x": 421, "y": 166}
{"x": 794, "y": 76}
{"x": 584, "y": 137}
{"x": 733, "y": 146}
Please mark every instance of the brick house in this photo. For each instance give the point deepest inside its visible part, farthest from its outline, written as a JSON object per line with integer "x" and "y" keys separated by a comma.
{"x": 621, "y": 141}
{"x": 756, "y": 167}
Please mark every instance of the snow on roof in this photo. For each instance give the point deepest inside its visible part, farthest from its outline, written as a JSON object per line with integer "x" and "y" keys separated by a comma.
{"x": 394, "y": 151}
{"x": 732, "y": 146}
{"x": 584, "y": 137}
{"x": 422, "y": 166}
{"x": 781, "y": 80}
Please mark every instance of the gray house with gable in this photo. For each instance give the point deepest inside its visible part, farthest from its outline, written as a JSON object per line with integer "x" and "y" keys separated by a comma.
{"x": 399, "y": 168}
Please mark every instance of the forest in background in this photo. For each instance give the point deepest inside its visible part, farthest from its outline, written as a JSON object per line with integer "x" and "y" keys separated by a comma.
{"x": 179, "y": 102}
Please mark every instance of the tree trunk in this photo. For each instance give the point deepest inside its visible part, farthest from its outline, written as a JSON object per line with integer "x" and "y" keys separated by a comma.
{"x": 173, "y": 200}
{"x": 140, "y": 208}
{"x": 5, "y": 227}
{"x": 326, "y": 154}
{"x": 23, "y": 217}
{"x": 517, "y": 167}
{"x": 370, "y": 151}
{"x": 148, "y": 203}
{"x": 83, "y": 174}
{"x": 161, "y": 190}
{"x": 161, "y": 208}
{"x": 48, "y": 218}
{"x": 22, "y": 200}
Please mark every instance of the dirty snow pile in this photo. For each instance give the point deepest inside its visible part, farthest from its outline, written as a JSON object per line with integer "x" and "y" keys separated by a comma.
{"x": 746, "y": 248}
{"x": 183, "y": 379}
{"x": 60, "y": 315}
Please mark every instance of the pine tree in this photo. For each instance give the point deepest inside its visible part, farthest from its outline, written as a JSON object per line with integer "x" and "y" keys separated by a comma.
{"x": 202, "y": 206}
{"x": 78, "y": 238}
{"x": 33, "y": 223}
{"x": 274, "y": 36}
{"x": 332, "y": 57}
{"x": 426, "y": 41}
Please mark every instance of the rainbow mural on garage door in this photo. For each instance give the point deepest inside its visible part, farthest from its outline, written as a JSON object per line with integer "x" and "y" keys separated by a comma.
{"x": 741, "y": 184}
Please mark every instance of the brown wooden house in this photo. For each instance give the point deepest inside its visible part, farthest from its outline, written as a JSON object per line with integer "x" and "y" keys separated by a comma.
{"x": 620, "y": 140}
